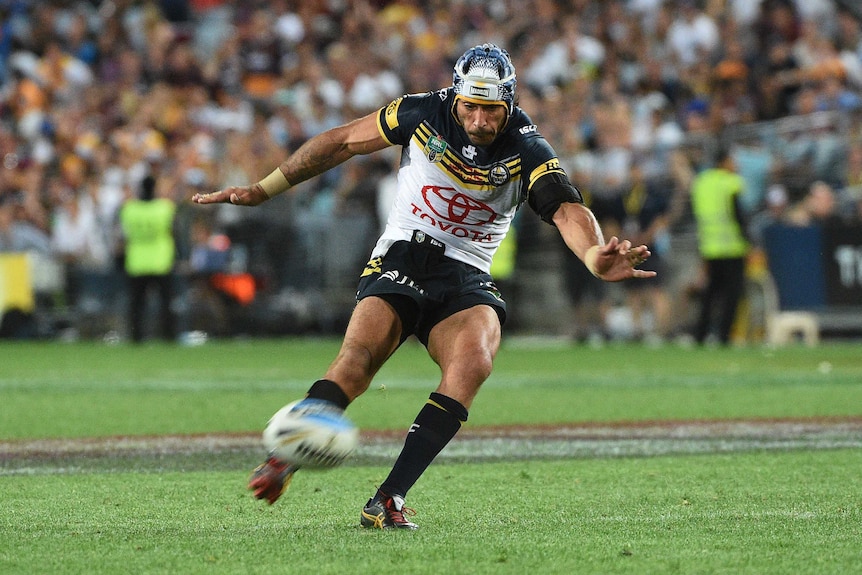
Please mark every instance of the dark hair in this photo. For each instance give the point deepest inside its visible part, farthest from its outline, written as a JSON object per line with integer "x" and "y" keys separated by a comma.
{"x": 722, "y": 154}
{"x": 148, "y": 187}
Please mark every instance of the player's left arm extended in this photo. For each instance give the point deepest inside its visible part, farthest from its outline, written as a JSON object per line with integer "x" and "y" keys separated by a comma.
{"x": 612, "y": 261}
{"x": 319, "y": 154}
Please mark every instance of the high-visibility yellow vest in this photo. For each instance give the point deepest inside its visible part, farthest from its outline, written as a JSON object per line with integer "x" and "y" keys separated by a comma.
{"x": 719, "y": 232}
{"x": 148, "y": 229}
{"x": 503, "y": 264}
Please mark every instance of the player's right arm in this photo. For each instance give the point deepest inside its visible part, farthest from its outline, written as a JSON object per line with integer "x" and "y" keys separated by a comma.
{"x": 319, "y": 154}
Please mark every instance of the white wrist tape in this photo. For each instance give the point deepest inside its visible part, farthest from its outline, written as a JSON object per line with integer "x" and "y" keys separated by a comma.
{"x": 275, "y": 183}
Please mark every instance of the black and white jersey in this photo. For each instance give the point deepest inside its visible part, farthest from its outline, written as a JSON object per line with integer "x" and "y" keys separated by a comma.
{"x": 463, "y": 195}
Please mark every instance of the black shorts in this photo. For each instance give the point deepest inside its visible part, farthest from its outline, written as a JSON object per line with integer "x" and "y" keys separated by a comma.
{"x": 425, "y": 287}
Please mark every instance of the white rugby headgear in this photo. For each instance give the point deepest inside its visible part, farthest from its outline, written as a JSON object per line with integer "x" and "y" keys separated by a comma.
{"x": 485, "y": 75}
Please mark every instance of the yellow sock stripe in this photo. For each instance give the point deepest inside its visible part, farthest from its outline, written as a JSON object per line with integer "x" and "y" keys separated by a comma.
{"x": 440, "y": 407}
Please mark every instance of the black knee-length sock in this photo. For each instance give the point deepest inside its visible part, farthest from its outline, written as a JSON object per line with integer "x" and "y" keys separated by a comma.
{"x": 436, "y": 424}
{"x": 330, "y": 391}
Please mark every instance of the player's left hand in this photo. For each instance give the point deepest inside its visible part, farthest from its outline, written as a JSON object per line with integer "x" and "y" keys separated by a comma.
{"x": 618, "y": 260}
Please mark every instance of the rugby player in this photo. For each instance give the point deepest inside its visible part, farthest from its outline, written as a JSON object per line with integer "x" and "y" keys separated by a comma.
{"x": 470, "y": 158}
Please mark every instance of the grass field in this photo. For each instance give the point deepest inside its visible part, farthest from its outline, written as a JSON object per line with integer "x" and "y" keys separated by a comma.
{"x": 730, "y": 505}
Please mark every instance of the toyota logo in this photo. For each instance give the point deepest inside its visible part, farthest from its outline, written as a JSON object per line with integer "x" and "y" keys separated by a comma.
{"x": 457, "y": 207}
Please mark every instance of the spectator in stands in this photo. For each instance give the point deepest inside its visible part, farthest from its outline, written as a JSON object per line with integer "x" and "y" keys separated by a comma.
{"x": 260, "y": 54}
{"x": 209, "y": 255}
{"x": 849, "y": 33}
{"x": 610, "y": 175}
{"x": 732, "y": 101}
{"x": 836, "y": 95}
{"x": 852, "y": 180}
{"x": 693, "y": 35}
{"x": 818, "y": 207}
{"x": 156, "y": 81}
{"x": 77, "y": 240}
{"x": 17, "y": 234}
{"x": 589, "y": 300}
{"x": 572, "y": 55}
{"x": 779, "y": 81}
{"x": 777, "y": 204}
{"x": 648, "y": 216}
{"x": 779, "y": 21}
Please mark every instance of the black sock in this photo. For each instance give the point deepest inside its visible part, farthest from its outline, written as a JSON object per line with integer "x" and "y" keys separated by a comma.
{"x": 437, "y": 423}
{"x": 329, "y": 391}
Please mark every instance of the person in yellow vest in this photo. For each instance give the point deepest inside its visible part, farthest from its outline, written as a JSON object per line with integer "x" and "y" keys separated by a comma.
{"x": 147, "y": 224}
{"x": 723, "y": 244}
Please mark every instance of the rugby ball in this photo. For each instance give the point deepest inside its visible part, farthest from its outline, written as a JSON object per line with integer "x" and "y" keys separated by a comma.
{"x": 310, "y": 433}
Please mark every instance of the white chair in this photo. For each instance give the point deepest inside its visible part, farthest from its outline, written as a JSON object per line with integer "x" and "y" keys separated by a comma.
{"x": 784, "y": 326}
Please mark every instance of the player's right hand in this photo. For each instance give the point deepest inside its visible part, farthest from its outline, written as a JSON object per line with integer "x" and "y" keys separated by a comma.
{"x": 252, "y": 195}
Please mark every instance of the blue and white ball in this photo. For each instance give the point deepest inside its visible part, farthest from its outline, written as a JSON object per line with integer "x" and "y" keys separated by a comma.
{"x": 310, "y": 433}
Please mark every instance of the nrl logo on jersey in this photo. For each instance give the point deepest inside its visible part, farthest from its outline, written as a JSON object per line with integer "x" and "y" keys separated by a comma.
{"x": 499, "y": 174}
{"x": 435, "y": 149}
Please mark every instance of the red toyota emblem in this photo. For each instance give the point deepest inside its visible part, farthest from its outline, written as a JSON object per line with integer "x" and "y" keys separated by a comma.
{"x": 456, "y": 207}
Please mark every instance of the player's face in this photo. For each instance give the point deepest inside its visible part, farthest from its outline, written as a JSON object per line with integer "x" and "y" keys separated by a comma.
{"x": 482, "y": 122}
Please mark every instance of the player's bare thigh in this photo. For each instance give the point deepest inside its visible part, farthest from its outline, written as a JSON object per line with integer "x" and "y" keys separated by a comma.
{"x": 372, "y": 336}
{"x": 464, "y": 346}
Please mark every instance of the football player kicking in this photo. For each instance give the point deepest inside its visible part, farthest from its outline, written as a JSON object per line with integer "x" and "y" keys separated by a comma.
{"x": 470, "y": 158}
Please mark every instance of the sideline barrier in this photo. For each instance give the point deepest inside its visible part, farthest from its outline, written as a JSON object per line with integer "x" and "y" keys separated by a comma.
{"x": 818, "y": 269}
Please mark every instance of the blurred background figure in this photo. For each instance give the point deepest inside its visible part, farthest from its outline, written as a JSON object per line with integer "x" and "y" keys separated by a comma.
{"x": 647, "y": 208}
{"x": 92, "y": 94}
{"x": 775, "y": 212}
{"x": 818, "y": 207}
{"x": 18, "y": 239}
{"x": 210, "y": 255}
{"x": 147, "y": 225}
{"x": 723, "y": 244}
{"x": 589, "y": 300}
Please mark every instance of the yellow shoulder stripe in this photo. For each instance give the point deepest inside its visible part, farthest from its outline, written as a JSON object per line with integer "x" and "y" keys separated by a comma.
{"x": 391, "y": 113}
{"x": 389, "y": 117}
{"x": 549, "y": 167}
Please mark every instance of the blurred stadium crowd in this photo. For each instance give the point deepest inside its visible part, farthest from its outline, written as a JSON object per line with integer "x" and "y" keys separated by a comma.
{"x": 635, "y": 95}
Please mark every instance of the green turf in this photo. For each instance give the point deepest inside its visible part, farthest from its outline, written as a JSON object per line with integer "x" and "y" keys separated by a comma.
{"x": 90, "y": 389}
{"x": 761, "y": 512}
{"x": 756, "y": 513}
